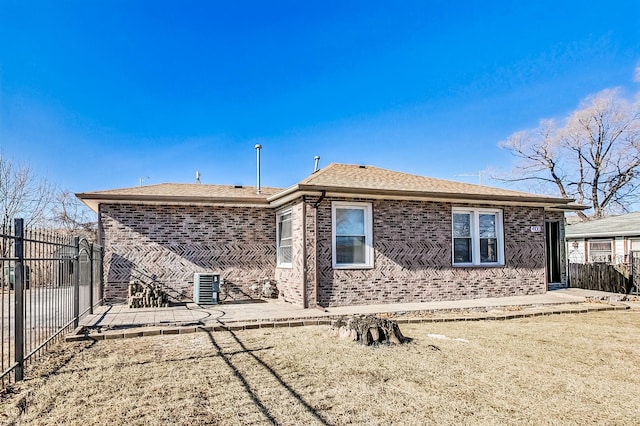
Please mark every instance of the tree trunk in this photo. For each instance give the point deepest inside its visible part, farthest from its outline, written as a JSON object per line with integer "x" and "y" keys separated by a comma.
{"x": 369, "y": 330}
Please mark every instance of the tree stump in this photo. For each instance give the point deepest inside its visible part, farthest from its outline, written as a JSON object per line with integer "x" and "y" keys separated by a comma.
{"x": 369, "y": 330}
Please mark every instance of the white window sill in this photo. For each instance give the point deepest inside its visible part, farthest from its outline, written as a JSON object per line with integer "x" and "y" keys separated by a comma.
{"x": 285, "y": 266}
{"x": 480, "y": 265}
{"x": 352, "y": 266}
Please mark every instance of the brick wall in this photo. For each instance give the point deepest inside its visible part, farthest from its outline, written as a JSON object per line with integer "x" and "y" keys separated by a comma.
{"x": 289, "y": 279}
{"x": 311, "y": 260}
{"x": 168, "y": 244}
{"x": 412, "y": 242}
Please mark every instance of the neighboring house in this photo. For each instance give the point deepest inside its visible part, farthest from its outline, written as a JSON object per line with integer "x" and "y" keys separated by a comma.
{"x": 345, "y": 235}
{"x": 604, "y": 240}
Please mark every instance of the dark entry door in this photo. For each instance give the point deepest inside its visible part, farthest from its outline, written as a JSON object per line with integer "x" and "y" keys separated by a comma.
{"x": 552, "y": 231}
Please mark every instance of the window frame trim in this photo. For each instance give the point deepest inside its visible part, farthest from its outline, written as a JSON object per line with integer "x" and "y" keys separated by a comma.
{"x": 368, "y": 234}
{"x": 601, "y": 240}
{"x": 611, "y": 252}
{"x": 475, "y": 213}
{"x": 279, "y": 214}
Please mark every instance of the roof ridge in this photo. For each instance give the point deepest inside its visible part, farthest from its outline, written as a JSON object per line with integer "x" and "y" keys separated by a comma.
{"x": 364, "y": 180}
{"x": 606, "y": 218}
{"x": 318, "y": 172}
{"x": 156, "y": 185}
{"x": 434, "y": 178}
{"x": 413, "y": 176}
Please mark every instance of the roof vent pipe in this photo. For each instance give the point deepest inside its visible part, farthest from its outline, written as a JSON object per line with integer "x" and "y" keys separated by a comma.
{"x": 315, "y": 166}
{"x": 197, "y": 176}
{"x": 258, "y": 148}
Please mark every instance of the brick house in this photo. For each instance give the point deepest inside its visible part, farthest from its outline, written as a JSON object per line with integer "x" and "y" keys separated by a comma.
{"x": 345, "y": 235}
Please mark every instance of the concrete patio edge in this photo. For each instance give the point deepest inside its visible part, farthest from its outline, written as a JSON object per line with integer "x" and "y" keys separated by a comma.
{"x": 582, "y": 302}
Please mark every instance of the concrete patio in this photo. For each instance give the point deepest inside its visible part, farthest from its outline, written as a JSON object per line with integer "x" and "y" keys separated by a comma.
{"x": 117, "y": 321}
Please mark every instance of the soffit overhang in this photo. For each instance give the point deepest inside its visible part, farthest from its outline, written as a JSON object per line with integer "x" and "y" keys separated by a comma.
{"x": 92, "y": 200}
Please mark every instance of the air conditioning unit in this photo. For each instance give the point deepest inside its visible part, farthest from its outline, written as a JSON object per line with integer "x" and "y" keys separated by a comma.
{"x": 206, "y": 287}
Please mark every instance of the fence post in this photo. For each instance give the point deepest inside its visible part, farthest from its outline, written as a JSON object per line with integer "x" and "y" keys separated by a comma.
{"x": 18, "y": 289}
{"x": 101, "y": 270}
{"x": 91, "y": 283}
{"x": 632, "y": 272}
{"x": 76, "y": 282}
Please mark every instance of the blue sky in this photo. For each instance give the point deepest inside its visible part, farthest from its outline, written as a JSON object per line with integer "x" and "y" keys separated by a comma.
{"x": 96, "y": 94}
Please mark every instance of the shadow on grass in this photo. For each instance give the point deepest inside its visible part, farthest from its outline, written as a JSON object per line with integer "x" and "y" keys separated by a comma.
{"x": 62, "y": 360}
{"x": 150, "y": 362}
{"x": 97, "y": 322}
{"x": 265, "y": 410}
{"x": 238, "y": 374}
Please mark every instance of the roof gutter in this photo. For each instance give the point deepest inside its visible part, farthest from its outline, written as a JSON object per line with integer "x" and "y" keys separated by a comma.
{"x": 567, "y": 207}
{"x": 171, "y": 198}
{"x": 604, "y": 234}
{"x": 550, "y": 203}
{"x": 547, "y": 202}
{"x": 292, "y": 196}
{"x": 284, "y": 193}
{"x": 92, "y": 200}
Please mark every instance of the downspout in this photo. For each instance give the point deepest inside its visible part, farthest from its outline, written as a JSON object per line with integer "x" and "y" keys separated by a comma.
{"x": 305, "y": 301}
{"x": 100, "y": 239}
{"x": 317, "y": 203}
{"x": 99, "y": 233}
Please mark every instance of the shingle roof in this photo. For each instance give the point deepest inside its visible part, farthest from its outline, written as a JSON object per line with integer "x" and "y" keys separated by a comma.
{"x": 184, "y": 193}
{"x": 613, "y": 226}
{"x": 345, "y": 179}
{"x": 193, "y": 190}
{"x": 374, "y": 180}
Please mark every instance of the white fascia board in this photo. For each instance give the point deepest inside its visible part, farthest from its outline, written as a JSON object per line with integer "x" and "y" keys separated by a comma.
{"x": 438, "y": 199}
{"x": 603, "y": 235}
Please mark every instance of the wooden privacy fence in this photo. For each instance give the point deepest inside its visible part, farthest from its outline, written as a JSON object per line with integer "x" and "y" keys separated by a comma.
{"x": 600, "y": 276}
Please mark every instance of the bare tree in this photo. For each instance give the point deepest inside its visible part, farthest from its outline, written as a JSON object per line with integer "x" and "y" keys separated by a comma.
{"x": 593, "y": 157}
{"x": 40, "y": 203}
{"x": 23, "y": 194}
{"x": 73, "y": 217}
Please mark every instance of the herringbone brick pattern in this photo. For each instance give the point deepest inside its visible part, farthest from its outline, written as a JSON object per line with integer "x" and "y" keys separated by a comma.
{"x": 412, "y": 242}
{"x": 290, "y": 279}
{"x": 311, "y": 252}
{"x": 412, "y": 245}
{"x": 169, "y": 244}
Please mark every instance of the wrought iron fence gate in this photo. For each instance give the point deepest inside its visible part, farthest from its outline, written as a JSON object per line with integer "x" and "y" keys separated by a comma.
{"x": 48, "y": 283}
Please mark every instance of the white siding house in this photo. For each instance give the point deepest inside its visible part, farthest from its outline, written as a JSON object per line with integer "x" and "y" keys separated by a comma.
{"x": 609, "y": 240}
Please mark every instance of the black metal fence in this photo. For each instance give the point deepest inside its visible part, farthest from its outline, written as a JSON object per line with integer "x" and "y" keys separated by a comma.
{"x": 49, "y": 281}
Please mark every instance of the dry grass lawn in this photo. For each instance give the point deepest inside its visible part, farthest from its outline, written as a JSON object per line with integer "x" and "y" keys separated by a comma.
{"x": 562, "y": 369}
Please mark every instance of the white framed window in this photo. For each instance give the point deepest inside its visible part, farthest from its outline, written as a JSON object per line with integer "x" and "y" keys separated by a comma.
{"x": 477, "y": 238}
{"x": 284, "y": 238}
{"x": 600, "y": 251}
{"x": 352, "y": 235}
